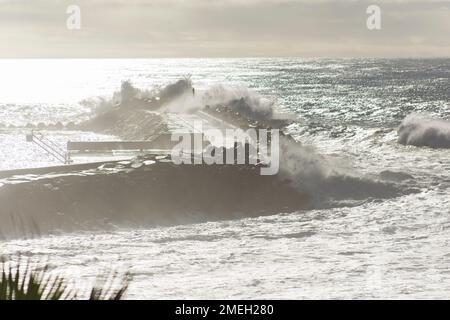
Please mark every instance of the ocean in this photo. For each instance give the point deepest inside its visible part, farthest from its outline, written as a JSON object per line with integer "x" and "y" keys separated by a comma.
{"x": 346, "y": 111}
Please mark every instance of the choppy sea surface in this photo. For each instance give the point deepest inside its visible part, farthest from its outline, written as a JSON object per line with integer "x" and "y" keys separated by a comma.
{"x": 347, "y": 110}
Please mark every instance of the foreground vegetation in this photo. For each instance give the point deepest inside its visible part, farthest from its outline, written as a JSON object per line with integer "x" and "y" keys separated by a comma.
{"x": 22, "y": 281}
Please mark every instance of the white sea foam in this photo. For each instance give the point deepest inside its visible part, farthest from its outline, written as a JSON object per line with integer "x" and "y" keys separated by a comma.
{"x": 423, "y": 131}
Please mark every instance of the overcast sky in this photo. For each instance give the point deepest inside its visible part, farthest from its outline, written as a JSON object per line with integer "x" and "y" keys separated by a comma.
{"x": 224, "y": 28}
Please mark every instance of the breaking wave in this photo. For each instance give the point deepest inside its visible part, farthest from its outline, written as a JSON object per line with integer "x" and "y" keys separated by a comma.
{"x": 423, "y": 131}
{"x": 182, "y": 97}
{"x": 327, "y": 181}
{"x": 166, "y": 194}
{"x": 241, "y": 99}
{"x": 149, "y": 193}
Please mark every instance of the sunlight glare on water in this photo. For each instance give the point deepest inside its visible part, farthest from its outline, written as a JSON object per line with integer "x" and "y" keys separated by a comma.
{"x": 348, "y": 110}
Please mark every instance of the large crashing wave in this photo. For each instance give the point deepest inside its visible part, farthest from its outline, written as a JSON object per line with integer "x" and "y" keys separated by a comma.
{"x": 308, "y": 171}
{"x": 324, "y": 180}
{"x": 239, "y": 99}
{"x": 182, "y": 97}
{"x": 149, "y": 194}
{"x": 125, "y": 112}
{"x": 423, "y": 131}
{"x": 167, "y": 194}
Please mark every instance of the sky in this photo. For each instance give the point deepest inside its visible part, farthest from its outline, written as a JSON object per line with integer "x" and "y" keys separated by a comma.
{"x": 223, "y": 28}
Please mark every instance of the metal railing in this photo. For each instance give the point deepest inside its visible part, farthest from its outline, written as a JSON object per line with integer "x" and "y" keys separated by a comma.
{"x": 49, "y": 146}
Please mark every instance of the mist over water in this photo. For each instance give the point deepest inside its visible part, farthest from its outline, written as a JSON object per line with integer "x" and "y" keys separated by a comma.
{"x": 363, "y": 147}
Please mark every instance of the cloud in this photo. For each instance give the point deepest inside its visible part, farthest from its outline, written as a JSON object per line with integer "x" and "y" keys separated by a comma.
{"x": 222, "y": 28}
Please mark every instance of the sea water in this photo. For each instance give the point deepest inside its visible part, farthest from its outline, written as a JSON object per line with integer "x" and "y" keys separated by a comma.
{"x": 346, "y": 110}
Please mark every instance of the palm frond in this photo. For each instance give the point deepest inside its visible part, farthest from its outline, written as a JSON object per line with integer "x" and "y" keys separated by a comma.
{"x": 20, "y": 281}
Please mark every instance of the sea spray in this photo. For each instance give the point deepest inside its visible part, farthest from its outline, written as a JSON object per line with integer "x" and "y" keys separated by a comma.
{"x": 324, "y": 179}
{"x": 239, "y": 99}
{"x": 307, "y": 170}
{"x": 423, "y": 131}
